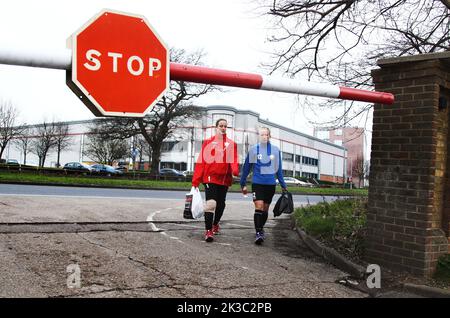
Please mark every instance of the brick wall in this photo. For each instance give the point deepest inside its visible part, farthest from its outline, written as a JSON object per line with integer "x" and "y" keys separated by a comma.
{"x": 446, "y": 193}
{"x": 408, "y": 195}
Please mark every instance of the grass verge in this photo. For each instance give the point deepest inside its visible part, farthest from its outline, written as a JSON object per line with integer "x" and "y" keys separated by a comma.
{"x": 25, "y": 177}
{"x": 339, "y": 224}
{"x": 93, "y": 181}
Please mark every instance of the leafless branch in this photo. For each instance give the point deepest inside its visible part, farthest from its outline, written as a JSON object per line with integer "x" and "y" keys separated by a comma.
{"x": 339, "y": 41}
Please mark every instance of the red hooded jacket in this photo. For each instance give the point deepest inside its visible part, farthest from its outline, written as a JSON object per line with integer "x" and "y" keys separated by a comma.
{"x": 217, "y": 162}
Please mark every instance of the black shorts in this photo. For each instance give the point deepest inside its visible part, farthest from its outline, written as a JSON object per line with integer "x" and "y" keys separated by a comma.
{"x": 215, "y": 192}
{"x": 263, "y": 192}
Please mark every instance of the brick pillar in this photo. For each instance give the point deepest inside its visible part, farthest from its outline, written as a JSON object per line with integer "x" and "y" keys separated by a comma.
{"x": 409, "y": 194}
{"x": 445, "y": 102}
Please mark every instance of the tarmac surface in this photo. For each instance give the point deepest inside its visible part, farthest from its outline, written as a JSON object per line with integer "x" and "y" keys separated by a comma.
{"x": 66, "y": 242}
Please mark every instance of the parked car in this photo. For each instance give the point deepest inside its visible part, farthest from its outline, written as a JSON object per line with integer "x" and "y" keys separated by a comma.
{"x": 12, "y": 162}
{"x": 122, "y": 168}
{"x": 170, "y": 172}
{"x": 78, "y": 167}
{"x": 188, "y": 173}
{"x": 296, "y": 182}
{"x": 307, "y": 184}
{"x": 105, "y": 170}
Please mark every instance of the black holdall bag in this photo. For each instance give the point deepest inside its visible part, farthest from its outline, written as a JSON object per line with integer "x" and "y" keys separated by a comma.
{"x": 187, "y": 213}
{"x": 285, "y": 204}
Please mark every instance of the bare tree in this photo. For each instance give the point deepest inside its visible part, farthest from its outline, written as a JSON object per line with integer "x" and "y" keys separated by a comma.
{"x": 22, "y": 143}
{"x": 171, "y": 112}
{"x": 102, "y": 147}
{"x": 340, "y": 40}
{"x": 9, "y": 128}
{"x": 44, "y": 140}
{"x": 141, "y": 145}
{"x": 62, "y": 139}
{"x": 360, "y": 169}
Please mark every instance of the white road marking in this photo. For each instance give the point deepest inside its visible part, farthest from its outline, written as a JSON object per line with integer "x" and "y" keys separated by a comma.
{"x": 226, "y": 244}
{"x": 155, "y": 228}
{"x": 151, "y": 215}
{"x": 172, "y": 237}
{"x": 150, "y": 219}
{"x": 247, "y": 221}
{"x": 192, "y": 226}
{"x": 240, "y": 225}
{"x": 86, "y": 197}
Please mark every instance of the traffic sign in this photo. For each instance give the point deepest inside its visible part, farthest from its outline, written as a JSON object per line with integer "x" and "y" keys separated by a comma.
{"x": 120, "y": 65}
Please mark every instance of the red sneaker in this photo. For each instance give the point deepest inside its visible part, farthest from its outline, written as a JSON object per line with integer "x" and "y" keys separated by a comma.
{"x": 216, "y": 229}
{"x": 209, "y": 236}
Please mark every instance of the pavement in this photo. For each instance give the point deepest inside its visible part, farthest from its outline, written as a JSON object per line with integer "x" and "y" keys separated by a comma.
{"x": 135, "y": 243}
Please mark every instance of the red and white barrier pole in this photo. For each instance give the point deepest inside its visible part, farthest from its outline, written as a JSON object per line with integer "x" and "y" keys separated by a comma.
{"x": 62, "y": 59}
{"x": 54, "y": 59}
{"x": 200, "y": 74}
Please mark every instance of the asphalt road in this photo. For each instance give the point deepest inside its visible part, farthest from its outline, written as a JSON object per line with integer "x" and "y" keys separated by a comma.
{"x": 37, "y": 190}
{"x": 135, "y": 243}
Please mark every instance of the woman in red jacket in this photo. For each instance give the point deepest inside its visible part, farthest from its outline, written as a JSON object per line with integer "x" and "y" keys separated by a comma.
{"x": 215, "y": 167}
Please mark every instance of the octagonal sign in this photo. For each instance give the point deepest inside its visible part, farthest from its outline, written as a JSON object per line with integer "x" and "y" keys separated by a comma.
{"x": 120, "y": 66}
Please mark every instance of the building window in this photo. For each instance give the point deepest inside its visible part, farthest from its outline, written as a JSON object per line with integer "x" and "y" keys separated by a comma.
{"x": 338, "y": 132}
{"x": 309, "y": 175}
{"x": 168, "y": 145}
{"x": 310, "y": 161}
{"x": 298, "y": 158}
{"x": 323, "y": 134}
{"x": 338, "y": 142}
{"x": 287, "y": 156}
{"x": 288, "y": 173}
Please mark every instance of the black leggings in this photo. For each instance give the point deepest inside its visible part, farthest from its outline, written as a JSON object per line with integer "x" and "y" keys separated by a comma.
{"x": 217, "y": 193}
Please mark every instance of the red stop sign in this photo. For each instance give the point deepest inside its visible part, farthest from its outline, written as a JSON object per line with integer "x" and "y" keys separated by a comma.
{"x": 120, "y": 66}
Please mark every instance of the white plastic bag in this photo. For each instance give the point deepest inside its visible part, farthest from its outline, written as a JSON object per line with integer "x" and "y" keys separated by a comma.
{"x": 197, "y": 203}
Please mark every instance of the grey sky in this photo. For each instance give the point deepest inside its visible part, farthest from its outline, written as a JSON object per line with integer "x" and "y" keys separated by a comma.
{"x": 229, "y": 32}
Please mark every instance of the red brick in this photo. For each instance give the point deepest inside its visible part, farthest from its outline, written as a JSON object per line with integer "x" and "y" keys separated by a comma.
{"x": 394, "y": 243}
{"x": 414, "y": 262}
{"x": 402, "y": 252}
{"x": 401, "y": 112}
{"x": 403, "y": 83}
{"x": 394, "y": 228}
{"x": 405, "y": 237}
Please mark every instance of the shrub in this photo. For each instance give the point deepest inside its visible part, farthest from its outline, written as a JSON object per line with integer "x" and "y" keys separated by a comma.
{"x": 341, "y": 223}
{"x": 443, "y": 269}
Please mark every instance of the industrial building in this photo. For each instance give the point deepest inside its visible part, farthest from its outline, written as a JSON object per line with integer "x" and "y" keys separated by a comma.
{"x": 303, "y": 155}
